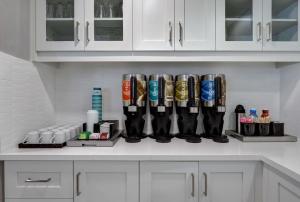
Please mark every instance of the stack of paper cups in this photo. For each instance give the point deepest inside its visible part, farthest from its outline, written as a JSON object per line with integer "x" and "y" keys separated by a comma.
{"x": 92, "y": 118}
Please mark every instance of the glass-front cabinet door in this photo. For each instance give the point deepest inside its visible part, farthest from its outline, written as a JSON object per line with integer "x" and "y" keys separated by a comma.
{"x": 281, "y": 20}
{"x": 239, "y": 25}
{"x": 59, "y": 25}
{"x": 108, "y": 25}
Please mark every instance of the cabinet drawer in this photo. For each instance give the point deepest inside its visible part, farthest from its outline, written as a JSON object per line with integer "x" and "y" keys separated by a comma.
{"x": 38, "y": 179}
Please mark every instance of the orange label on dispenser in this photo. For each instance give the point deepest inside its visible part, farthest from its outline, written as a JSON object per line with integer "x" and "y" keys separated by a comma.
{"x": 126, "y": 90}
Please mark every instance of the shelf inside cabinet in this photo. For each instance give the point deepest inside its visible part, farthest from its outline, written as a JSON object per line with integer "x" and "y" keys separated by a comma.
{"x": 238, "y": 19}
{"x": 285, "y": 20}
{"x": 60, "y": 19}
{"x": 108, "y": 19}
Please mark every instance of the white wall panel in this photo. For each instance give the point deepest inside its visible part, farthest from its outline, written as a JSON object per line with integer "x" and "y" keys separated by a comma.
{"x": 251, "y": 84}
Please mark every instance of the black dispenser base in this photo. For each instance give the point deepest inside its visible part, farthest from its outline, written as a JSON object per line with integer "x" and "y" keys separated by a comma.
{"x": 134, "y": 139}
{"x": 162, "y": 139}
{"x": 193, "y": 139}
{"x": 216, "y": 138}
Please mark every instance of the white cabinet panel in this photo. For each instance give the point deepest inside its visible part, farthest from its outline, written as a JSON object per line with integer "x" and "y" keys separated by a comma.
{"x": 279, "y": 188}
{"x": 281, "y": 23}
{"x": 153, "y": 25}
{"x": 169, "y": 181}
{"x": 108, "y": 26}
{"x": 239, "y": 25}
{"x": 59, "y": 25}
{"x": 221, "y": 181}
{"x": 38, "y": 179}
{"x": 106, "y": 181}
{"x": 195, "y": 25}
{"x": 38, "y": 200}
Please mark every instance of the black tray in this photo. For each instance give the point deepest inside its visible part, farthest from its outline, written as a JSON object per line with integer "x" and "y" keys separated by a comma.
{"x": 31, "y": 146}
{"x": 95, "y": 143}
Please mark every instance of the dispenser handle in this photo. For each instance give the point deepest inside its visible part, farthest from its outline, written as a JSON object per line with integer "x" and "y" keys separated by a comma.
{"x": 133, "y": 91}
{"x": 161, "y": 91}
{"x": 191, "y": 91}
{"x": 218, "y": 91}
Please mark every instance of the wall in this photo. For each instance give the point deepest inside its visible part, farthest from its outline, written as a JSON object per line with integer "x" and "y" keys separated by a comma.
{"x": 27, "y": 93}
{"x": 290, "y": 96}
{"x": 250, "y": 84}
{"x": 15, "y": 27}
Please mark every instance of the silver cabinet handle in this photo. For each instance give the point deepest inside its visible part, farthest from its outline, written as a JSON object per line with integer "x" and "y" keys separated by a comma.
{"x": 77, "y": 31}
{"x": 78, "y": 184}
{"x": 205, "y": 184}
{"x": 87, "y": 32}
{"x": 34, "y": 181}
{"x": 258, "y": 31}
{"x": 193, "y": 185}
{"x": 170, "y": 33}
{"x": 180, "y": 34}
{"x": 269, "y": 32}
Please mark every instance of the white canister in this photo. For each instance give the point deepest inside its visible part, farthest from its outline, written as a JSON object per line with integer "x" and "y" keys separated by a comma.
{"x": 92, "y": 118}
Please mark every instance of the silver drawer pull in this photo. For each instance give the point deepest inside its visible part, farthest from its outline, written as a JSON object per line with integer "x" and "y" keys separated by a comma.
{"x": 34, "y": 181}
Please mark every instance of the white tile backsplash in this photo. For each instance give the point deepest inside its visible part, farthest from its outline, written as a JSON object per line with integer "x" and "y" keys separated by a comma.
{"x": 251, "y": 84}
{"x": 27, "y": 93}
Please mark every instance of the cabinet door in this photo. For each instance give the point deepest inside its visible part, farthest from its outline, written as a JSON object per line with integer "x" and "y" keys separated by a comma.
{"x": 153, "y": 25}
{"x": 221, "y": 181}
{"x": 195, "y": 25}
{"x": 281, "y": 21}
{"x": 280, "y": 189}
{"x": 108, "y": 25}
{"x": 168, "y": 181}
{"x": 106, "y": 181}
{"x": 59, "y": 25}
{"x": 239, "y": 25}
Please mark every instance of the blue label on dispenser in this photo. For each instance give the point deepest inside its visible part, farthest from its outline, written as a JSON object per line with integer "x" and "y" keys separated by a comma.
{"x": 153, "y": 90}
{"x": 207, "y": 90}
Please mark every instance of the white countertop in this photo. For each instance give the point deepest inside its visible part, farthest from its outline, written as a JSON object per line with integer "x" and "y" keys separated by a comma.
{"x": 284, "y": 156}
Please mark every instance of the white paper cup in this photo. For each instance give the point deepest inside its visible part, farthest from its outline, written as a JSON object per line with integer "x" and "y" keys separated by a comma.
{"x": 67, "y": 134}
{"x": 32, "y": 137}
{"x": 47, "y": 137}
{"x": 59, "y": 137}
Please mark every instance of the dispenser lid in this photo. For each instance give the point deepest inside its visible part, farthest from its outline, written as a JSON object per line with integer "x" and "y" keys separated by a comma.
{"x": 240, "y": 109}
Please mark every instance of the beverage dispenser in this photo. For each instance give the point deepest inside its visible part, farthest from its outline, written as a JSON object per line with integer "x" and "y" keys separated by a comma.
{"x": 134, "y": 93}
{"x": 213, "y": 101}
{"x": 161, "y": 96}
{"x": 187, "y": 106}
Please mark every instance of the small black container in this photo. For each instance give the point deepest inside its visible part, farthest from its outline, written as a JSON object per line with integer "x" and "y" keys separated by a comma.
{"x": 277, "y": 129}
{"x": 248, "y": 129}
{"x": 263, "y": 129}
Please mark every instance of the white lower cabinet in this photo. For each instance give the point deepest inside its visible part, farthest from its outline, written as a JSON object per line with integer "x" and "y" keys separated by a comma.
{"x": 280, "y": 188}
{"x": 101, "y": 181}
{"x": 38, "y": 180}
{"x": 169, "y": 181}
{"x": 38, "y": 200}
{"x": 227, "y": 181}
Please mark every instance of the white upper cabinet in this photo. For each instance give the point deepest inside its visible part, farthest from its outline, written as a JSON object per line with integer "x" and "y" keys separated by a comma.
{"x": 157, "y": 27}
{"x": 239, "y": 25}
{"x": 281, "y": 21}
{"x": 153, "y": 25}
{"x": 195, "y": 25}
{"x": 108, "y": 25}
{"x": 169, "y": 181}
{"x": 59, "y": 25}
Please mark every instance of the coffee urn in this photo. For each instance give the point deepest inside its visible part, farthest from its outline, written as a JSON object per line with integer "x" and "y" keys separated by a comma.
{"x": 134, "y": 93}
{"x": 187, "y": 106}
{"x": 161, "y": 96}
{"x": 213, "y": 98}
